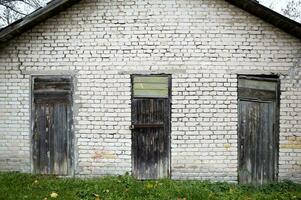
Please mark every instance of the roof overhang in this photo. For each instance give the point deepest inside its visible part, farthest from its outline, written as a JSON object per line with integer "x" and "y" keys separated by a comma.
{"x": 252, "y": 6}
{"x": 43, "y": 13}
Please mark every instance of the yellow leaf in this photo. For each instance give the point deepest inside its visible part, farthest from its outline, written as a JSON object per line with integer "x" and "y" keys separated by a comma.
{"x": 149, "y": 185}
{"x": 96, "y": 197}
{"x": 54, "y": 195}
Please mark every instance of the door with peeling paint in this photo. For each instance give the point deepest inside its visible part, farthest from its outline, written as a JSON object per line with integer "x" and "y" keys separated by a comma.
{"x": 52, "y": 120}
{"x": 151, "y": 126}
{"x": 258, "y": 129}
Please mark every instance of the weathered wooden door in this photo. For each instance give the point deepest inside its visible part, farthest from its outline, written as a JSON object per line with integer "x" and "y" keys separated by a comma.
{"x": 52, "y": 120}
{"x": 258, "y": 129}
{"x": 151, "y": 126}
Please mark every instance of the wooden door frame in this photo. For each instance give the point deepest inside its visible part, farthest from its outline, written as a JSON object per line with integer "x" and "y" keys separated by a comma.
{"x": 272, "y": 78}
{"x": 71, "y": 169}
{"x": 170, "y": 104}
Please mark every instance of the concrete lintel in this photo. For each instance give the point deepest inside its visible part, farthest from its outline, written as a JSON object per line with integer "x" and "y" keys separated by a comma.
{"x": 260, "y": 72}
{"x": 168, "y": 71}
{"x": 49, "y": 72}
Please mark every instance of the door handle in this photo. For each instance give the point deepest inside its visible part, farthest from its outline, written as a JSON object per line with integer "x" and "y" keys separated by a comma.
{"x": 147, "y": 125}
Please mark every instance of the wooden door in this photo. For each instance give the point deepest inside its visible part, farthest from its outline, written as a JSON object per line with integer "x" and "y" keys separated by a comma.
{"x": 258, "y": 130}
{"x": 52, "y": 126}
{"x": 151, "y": 126}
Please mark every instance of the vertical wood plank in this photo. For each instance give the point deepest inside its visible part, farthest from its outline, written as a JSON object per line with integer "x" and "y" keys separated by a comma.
{"x": 52, "y": 139}
{"x": 60, "y": 135}
{"x": 42, "y": 139}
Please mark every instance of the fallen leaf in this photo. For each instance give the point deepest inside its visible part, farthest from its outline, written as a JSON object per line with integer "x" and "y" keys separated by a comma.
{"x": 96, "y": 197}
{"x": 149, "y": 185}
{"x": 54, "y": 195}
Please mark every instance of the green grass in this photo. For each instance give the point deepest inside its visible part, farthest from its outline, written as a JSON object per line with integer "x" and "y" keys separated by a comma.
{"x": 25, "y": 186}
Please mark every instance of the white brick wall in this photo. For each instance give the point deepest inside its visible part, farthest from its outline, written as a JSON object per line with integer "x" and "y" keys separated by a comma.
{"x": 202, "y": 43}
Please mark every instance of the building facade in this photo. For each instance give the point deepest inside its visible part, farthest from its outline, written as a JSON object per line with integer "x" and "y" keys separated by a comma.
{"x": 154, "y": 88}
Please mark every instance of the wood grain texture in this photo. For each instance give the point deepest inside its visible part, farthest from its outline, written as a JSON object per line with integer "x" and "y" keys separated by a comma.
{"x": 151, "y": 137}
{"x": 52, "y": 126}
{"x": 258, "y": 137}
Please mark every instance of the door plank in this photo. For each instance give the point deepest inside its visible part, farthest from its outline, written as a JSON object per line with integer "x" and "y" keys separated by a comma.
{"x": 60, "y": 135}
{"x": 43, "y": 149}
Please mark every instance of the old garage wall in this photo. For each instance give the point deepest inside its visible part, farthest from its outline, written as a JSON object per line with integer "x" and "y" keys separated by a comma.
{"x": 204, "y": 44}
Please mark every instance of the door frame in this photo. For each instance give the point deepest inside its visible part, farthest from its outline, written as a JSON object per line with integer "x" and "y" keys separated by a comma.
{"x": 71, "y": 169}
{"x": 170, "y": 104}
{"x": 272, "y": 78}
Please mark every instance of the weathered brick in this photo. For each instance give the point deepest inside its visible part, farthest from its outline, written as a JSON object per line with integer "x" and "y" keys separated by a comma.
{"x": 102, "y": 42}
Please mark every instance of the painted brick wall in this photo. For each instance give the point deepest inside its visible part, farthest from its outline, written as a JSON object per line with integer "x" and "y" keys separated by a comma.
{"x": 204, "y": 44}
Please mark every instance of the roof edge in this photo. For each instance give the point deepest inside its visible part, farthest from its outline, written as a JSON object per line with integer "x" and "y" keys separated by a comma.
{"x": 251, "y": 6}
{"x": 34, "y": 18}
{"x": 266, "y": 14}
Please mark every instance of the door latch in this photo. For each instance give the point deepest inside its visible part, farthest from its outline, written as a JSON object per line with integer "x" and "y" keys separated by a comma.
{"x": 132, "y": 127}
